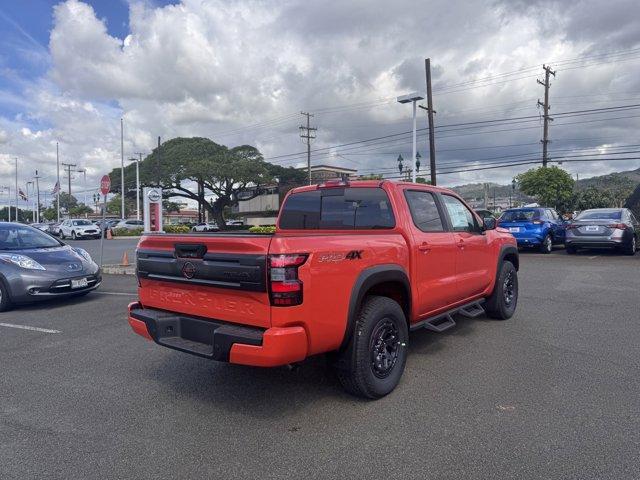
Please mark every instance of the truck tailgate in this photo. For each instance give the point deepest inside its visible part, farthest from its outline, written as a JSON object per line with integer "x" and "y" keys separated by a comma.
{"x": 221, "y": 277}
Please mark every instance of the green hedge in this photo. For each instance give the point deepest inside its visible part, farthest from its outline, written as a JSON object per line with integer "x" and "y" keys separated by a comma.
{"x": 176, "y": 229}
{"x": 263, "y": 229}
{"x": 124, "y": 232}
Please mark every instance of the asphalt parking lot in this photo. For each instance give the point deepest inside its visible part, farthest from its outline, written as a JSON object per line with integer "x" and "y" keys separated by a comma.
{"x": 551, "y": 393}
{"x": 113, "y": 249}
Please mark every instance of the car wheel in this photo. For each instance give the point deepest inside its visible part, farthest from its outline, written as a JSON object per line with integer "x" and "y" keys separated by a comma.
{"x": 547, "y": 244}
{"x": 502, "y": 303}
{"x": 375, "y": 359}
{"x": 571, "y": 250}
{"x": 73, "y": 236}
{"x": 631, "y": 247}
{"x": 5, "y": 301}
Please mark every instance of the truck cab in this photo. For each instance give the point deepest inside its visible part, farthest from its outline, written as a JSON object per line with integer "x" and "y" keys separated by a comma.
{"x": 350, "y": 270}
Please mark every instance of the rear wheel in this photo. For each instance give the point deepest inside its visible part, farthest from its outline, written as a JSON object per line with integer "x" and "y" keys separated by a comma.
{"x": 5, "y": 301}
{"x": 547, "y": 244}
{"x": 375, "y": 360}
{"x": 631, "y": 246}
{"x": 502, "y": 303}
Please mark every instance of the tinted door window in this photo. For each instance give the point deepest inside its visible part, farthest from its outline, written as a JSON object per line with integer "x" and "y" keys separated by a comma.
{"x": 462, "y": 220}
{"x": 424, "y": 211}
{"x": 340, "y": 209}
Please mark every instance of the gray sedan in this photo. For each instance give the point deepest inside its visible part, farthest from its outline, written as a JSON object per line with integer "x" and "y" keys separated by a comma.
{"x": 604, "y": 228}
{"x": 35, "y": 266}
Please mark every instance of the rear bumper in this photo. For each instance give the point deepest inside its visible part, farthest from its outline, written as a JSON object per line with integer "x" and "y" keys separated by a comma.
{"x": 524, "y": 240}
{"x": 594, "y": 242}
{"x": 217, "y": 340}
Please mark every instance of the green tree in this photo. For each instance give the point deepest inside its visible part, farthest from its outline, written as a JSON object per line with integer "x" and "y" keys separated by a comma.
{"x": 181, "y": 164}
{"x": 619, "y": 188}
{"x": 370, "y": 177}
{"x": 49, "y": 214}
{"x": 170, "y": 207}
{"x": 114, "y": 205}
{"x": 592, "y": 197}
{"x": 67, "y": 202}
{"x": 80, "y": 210}
{"x": 551, "y": 186}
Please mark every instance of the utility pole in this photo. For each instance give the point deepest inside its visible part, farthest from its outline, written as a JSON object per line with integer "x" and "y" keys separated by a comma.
{"x": 17, "y": 216}
{"x": 33, "y": 206}
{"x": 58, "y": 179}
{"x": 307, "y": 134}
{"x": 122, "y": 169}
{"x": 137, "y": 160}
{"x": 37, "y": 179}
{"x": 430, "y": 112}
{"x": 68, "y": 166}
{"x": 545, "y": 139}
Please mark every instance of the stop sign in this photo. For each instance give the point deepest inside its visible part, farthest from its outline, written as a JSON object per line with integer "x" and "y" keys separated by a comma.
{"x": 105, "y": 184}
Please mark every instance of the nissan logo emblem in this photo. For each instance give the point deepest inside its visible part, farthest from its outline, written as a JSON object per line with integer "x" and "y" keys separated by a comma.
{"x": 188, "y": 270}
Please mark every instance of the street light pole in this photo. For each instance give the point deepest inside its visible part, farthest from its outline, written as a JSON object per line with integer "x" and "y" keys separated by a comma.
{"x": 137, "y": 185}
{"x": 84, "y": 171}
{"x": 33, "y": 208}
{"x": 122, "y": 168}
{"x": 37, "y": 178}
{"x": 413, "y": 98}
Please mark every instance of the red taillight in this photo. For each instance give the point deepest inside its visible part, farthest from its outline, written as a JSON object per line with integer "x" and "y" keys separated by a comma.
{"x": 620, "y": 226}
{"x": 336, "y": 183}
{"x": 285, "y": 286}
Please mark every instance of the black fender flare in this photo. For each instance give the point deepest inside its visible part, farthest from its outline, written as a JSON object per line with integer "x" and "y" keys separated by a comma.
{"x": 510, "y": 251}
{"x": 368, "y": 278}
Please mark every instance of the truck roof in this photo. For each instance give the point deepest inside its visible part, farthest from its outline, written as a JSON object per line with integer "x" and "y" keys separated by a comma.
{"x": 363, "y": 183}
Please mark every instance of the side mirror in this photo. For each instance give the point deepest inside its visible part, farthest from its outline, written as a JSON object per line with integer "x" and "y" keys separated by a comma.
{"x": 489, "y": 223}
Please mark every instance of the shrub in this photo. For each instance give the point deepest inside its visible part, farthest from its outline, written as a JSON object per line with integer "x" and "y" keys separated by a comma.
{"x": 124, "y": 232}
{"x": 176, "y": 229}
{"x": 263, "y": 229}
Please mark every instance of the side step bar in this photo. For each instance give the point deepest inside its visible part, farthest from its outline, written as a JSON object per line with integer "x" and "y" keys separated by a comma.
{"x": 445, "y": 321}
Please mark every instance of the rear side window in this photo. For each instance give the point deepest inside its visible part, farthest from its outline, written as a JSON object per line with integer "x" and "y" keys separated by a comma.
{"x": 338, "y": 209}
{"x": 424, "y": 211}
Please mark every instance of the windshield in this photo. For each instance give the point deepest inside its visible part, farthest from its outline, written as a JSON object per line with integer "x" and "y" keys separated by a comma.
{"x": 77, "y": 223}
{"x": 600, "y": 215}
{"x": 20, "y": 237}
{"x": 519, "y": 215}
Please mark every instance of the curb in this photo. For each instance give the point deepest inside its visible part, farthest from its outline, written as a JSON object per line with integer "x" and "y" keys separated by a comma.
{"x": 125, "y": 237}
{"x": 119, "y": 269}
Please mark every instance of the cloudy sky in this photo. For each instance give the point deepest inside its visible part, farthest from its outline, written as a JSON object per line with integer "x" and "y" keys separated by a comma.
{"x": 242, "y": 71}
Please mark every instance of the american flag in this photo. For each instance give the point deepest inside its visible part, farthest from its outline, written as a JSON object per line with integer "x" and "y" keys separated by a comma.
{"x": 23, "y": 196}
{"x": 56, "y": 188}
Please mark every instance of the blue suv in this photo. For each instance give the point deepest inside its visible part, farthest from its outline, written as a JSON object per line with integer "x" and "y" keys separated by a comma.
{"x": 534, "y": 227}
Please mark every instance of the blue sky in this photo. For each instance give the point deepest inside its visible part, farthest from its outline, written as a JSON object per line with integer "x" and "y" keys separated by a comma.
{"x": 24, "y": 55}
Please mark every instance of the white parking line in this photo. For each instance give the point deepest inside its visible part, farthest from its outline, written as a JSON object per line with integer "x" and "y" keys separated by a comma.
{"x": 119, "y": 293}
{"x": 27, "y": 327}
{"x": 595, "y": 256}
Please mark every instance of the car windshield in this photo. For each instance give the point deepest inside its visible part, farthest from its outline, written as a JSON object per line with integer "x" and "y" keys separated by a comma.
{"x": 600, "y": 215}
{"x": 20, "y": 237}
{"x": 77, "y": 223}
{"x": 519, "y": 215}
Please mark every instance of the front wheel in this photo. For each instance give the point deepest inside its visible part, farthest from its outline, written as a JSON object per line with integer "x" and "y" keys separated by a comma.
{"x": 375, "y": 359}
{"x": 547, "y": 244}
{"x": 5, "y": 301}
{"x": 501, "y": 305}
{"x": 73, "y": 235}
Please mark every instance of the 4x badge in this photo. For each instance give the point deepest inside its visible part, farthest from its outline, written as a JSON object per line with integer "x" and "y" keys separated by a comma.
{"x": 338, "y": 256}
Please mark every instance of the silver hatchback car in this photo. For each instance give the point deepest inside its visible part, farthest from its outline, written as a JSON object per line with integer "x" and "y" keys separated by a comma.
{"x": 603, "y": 228}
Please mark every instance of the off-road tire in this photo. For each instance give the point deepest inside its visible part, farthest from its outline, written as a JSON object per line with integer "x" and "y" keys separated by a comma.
{"x": 547, "y": 245}
{"x": 497, "y": 306}
{"x": 5, "y": 301}
{"x": 358, "y": 374}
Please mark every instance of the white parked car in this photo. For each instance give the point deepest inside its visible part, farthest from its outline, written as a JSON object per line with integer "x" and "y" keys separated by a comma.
{"x": 234, "y": 223}
{"x": 129, "y": 224}
{"x": 79, "y": 228}
{"x": 205, "y": 227}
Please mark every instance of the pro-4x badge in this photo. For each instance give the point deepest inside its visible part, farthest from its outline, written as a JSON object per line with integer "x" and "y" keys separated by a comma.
{"x": 354, "y": 255}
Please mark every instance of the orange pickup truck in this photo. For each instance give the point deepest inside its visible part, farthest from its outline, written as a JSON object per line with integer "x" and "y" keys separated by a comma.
{"x": 350, "y": 270}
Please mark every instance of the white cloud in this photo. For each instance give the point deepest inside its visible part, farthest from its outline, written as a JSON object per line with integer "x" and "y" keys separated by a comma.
{"x": 210, "y": 68}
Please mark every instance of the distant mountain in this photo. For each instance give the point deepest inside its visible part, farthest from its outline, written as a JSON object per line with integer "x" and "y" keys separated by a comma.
{"x": 475, "y": 191}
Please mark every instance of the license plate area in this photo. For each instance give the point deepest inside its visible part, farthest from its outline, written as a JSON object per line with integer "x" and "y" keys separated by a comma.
{"x": 592, "y": 228}
{"x": 514, "y": 229}
{"x": 79, "y": 283}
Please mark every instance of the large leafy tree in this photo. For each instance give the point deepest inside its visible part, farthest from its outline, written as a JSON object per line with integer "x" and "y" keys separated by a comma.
{"x": 592, "y": 197}
{"x": 195, "y": 168}
{"x": 551, "y": 186}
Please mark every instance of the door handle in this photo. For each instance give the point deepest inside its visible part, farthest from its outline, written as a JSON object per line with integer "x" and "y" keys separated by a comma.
{"x": 461, "y": 243}
{"x": 424, "y": 247}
